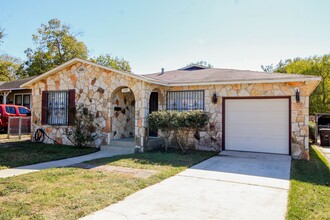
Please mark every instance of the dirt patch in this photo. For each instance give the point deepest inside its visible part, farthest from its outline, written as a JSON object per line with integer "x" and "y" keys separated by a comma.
{"x": 13, "y": 139}
{"x": 139, "y": 173}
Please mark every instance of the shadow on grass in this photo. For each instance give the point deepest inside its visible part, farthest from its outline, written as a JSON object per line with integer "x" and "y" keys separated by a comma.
{"x": 315, "y": 171}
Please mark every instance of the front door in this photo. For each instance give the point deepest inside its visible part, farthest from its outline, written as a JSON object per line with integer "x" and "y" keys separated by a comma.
{"x": 153, "y": 106}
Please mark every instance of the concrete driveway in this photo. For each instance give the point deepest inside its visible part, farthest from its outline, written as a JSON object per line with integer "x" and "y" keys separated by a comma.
{"x": 234, "y": 185}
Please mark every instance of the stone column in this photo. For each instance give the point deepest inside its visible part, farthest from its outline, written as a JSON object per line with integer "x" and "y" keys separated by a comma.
{"x": 141, "y": 118}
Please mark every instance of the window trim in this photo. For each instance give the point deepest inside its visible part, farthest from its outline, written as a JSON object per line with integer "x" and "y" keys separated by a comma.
{"x": 183, "y": 91}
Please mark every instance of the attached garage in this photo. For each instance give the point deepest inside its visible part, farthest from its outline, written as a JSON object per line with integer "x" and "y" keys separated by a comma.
{"x": 257, "y": 124}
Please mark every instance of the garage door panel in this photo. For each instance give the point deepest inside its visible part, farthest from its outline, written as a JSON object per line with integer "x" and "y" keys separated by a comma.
{"x": 265, "y": 146}
{"x": 259, "y": 125}
{"x": 257, "y": 132}
{"x": 259, "y": 118}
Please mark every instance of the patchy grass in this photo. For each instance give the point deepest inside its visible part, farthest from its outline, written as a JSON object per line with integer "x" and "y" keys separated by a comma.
{"x": 25, "y": 153}
{"x": 71, "y": 193}
{"x": 309, "y": 195}
{"x": 4, "y": 138}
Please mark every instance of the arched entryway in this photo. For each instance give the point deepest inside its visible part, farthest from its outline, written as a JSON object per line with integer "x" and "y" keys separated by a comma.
{"x": 155, "y": 101}
{"x": 122, "y": 113}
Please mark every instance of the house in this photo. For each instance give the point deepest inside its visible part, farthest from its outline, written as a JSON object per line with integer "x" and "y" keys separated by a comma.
{"x": 12, "y": 93}
{"x": 254, "y": 111}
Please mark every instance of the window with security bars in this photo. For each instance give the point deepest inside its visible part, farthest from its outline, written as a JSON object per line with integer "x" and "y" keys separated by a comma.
{"x": 57, "y": 107}
{"x": 185, "y": 100}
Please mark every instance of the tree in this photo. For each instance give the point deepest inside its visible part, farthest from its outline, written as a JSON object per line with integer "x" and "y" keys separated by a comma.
{"x": 268, "y": 68}
{"x": 9, "y": 66}
{"x": 114, "y": 62}
{"x": 2, "y": 34}
{"x": 55, "y": 45}
{"x": 201, "y": 63}
{"x": 317, "y": 65}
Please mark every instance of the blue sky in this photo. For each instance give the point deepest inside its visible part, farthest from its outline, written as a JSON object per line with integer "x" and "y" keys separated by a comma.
{"x": 151, "y": 34}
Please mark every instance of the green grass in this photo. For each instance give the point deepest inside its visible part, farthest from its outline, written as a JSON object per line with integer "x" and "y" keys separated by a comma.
{"x": 70, "y": 193}
{"x": 26, "y": 153}
{"x": 309, "y": 195}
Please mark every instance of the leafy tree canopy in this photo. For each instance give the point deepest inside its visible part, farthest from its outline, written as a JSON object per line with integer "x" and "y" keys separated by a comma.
{"x": 114, "y": 62}
{"x": 55, "y": 45}
{"x": 201, "y": 63}
{"x": 2, "y": 34}
{"x": 318, "y": 66}
{"x": 9, "y": 66}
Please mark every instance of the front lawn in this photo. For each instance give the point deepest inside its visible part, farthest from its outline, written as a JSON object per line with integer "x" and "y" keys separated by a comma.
{"x": 26, "y": 153}
{"x": 70, "y": 193}
{"x": 309, "y": 195}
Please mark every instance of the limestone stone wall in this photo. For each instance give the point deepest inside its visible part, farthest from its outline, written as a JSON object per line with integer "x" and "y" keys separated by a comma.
{"x": 96, "y": 88}
{"x": 211, "y": 136}
{"x": 123, "y": 123}
{"x": 100, "y": 90}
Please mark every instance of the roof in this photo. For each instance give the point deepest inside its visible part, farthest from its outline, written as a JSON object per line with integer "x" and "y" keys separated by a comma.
{"x": 223, "y": 76}
{"x": 191, "y": 76}
{"x": 194, "y": 67}
{"x": 15, "y": 85}
{"x": 75, "y": 60}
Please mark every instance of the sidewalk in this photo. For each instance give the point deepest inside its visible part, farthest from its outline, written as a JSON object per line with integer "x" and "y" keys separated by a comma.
{"x": 52, "y": 164}
{"x": 325, "y": 151}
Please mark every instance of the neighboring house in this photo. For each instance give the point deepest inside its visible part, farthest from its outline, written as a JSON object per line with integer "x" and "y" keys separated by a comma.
{"x": 249, "y": 111}
{"x": 12, "y": 93}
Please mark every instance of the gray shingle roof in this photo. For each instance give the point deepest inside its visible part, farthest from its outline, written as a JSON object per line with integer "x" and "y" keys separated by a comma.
{"x": 218, "y": 75}
{"x": 15, "y": 85}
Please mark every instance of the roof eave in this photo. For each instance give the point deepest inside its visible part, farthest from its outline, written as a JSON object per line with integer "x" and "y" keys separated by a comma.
{"x": 246, "y": 81}
{"x": 75, "y": 60}
{"x": 12, "y": 89}
{"x": 165, "y": 83}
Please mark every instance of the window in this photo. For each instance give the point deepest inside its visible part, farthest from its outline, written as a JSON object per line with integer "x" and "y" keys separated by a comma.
{"x": 18, "y": 99}
{"x": 26, "y": 101}
{"x": 24, "y": 111}
{"x": 10, "y": 110}
{"x": 185, "y": 100}
{"x": 57, "y": 108}
{"x": 23, "y": 99}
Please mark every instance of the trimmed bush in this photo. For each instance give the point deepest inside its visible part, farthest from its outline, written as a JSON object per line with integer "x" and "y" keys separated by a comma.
{"x": 174, "y": 125}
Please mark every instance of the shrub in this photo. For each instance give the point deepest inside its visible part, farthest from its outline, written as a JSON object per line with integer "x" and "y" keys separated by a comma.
{"x": 177, "y": 125}
{"x": 311, "y": 128}
{"x": 85, "y": 130}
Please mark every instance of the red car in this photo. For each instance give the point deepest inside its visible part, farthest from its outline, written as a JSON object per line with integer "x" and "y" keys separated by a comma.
{"x": 7, "y": 110}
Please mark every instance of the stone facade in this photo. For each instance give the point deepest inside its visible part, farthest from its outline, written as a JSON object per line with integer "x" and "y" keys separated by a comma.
{"x": 100, "y": 90}
{"x": 211, "y": 136}
{"x": 124, "y": 114}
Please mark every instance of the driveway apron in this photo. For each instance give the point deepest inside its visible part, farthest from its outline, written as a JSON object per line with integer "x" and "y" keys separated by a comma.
{"x": 233, "y": 185}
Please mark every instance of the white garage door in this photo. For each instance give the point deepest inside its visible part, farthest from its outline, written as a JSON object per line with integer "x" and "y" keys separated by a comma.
{"x": 257, "y": 125}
